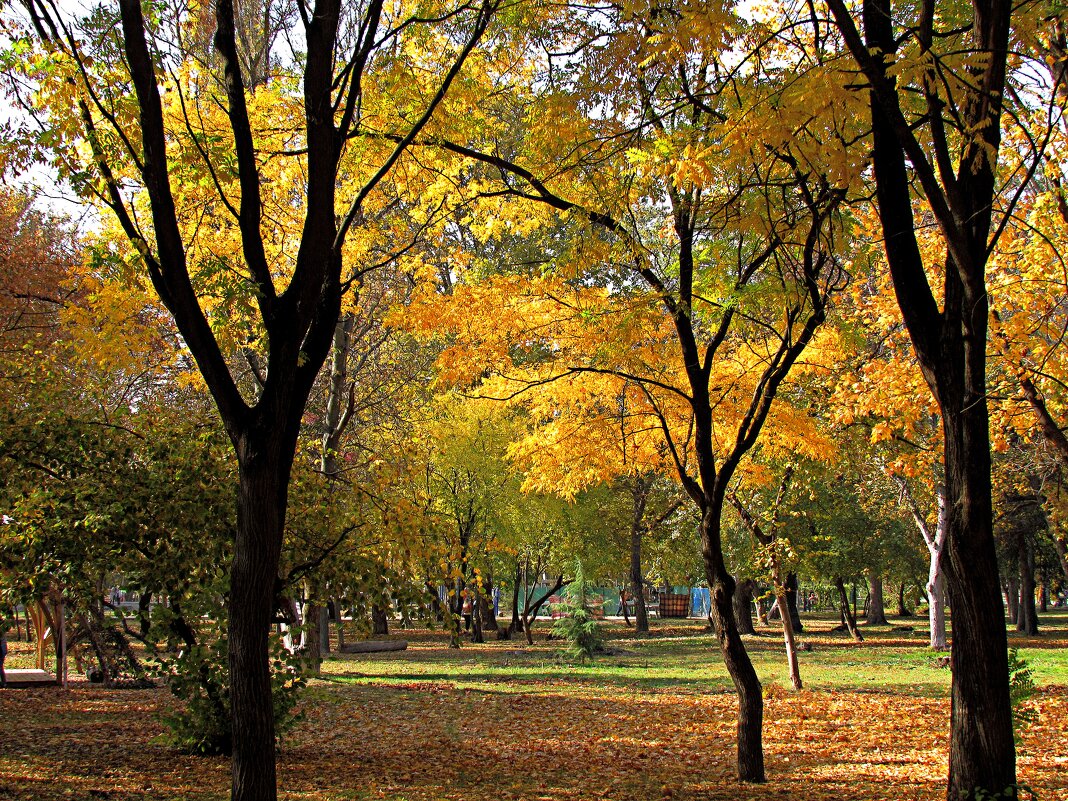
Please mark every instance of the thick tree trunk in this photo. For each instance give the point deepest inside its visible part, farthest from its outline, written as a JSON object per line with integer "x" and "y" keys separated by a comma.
{"x": 949, "y": 335}
{"x": 743, "y": 606}
{"x": 313, "y": 638}
{"x": 876, "y": 603}
{"x": 264, "y": 479}
{"x": 982, "y": 749}
{"x": 1027, "y": 618}
{"x": 1043, "y": 597}
{"x": 846, "y": 612}
{"x": 485, "y": 608}
{"x": 379, "y": 619}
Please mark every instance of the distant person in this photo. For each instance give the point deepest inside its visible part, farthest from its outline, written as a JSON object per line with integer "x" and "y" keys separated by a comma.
{"x": 467, "y": 608}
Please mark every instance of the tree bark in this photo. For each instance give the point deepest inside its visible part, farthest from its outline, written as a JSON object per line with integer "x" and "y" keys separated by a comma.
{"x": 254, "y": 574}
{"x": 791, "y": 647}
{"x": 1027, "y": 618}
{"x": 949, "y": 336}
{"x": 902, "y": 608}
{"x": 750, "y": 750}
{"x": 845, "y": 611}
{"x": 516, "y": 624}
{"x": 791, "y": 602}
{"x": 379, "y": 619}
{"x": 743, "y": 606}
{"x": 1012, "y": 595}
{"x": 640, "y": 497}
{"x": 876, "y": 604}
{"x": 313, "y": 636}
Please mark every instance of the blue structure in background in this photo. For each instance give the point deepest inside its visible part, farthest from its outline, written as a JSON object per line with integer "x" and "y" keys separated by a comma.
{"x": 701, "y": 602}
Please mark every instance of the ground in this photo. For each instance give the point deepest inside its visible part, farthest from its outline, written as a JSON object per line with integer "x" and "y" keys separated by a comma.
{"x": 507, "y": 721}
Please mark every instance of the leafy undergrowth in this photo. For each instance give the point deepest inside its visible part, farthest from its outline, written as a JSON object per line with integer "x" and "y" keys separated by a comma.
{"x": 504, "y": 721}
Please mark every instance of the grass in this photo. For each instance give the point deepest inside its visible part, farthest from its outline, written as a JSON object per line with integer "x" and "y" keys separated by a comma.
{"x": 509, "y": 721}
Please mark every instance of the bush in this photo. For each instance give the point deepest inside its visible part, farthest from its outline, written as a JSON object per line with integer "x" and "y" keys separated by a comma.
{"x": 578, "y": 626}
{"x": 1021, "y": 688}
{"x": 200, "y": 678}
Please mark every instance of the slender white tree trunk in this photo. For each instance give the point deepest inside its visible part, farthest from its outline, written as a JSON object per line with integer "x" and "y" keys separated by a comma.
{"x": 936, "y": 542}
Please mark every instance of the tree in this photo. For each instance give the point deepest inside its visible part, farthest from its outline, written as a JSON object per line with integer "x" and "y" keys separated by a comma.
{"x": 954, "y": 162}
{"x": 714, "y": 231}
{"x": 132, "y": 96}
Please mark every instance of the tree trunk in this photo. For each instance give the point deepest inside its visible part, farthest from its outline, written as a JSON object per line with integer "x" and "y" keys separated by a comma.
{"x": 339, "y": 622}
{"x": 791, "y": 602}
{"x": 1062, "y": 553}
{"x": 530, "y": 612}
{"x": 750, "y": 753}
{"x": 743, "y": 606}
{"x": 876, "y": 604}
{"x": 936, "y": 607}
{"x": 902, "y": 609}
{"x": 623, "y": 606}
{"x": 848, "y": 620}
{"x": 485, "y": 608}
{"x": 476, "y": 615}
{"x": 1043, "y": 597}
{"x": 313, "y": 638}
{"x": 640, "y": 496}
{"x": 380, "y": 619}
{"x": 791, "y": 647}
{"x": 1012, "y": 595}
{"x": 1027, "y": 619}
{"x": 264, "y": 480}
{"x": 949, "y": 337}
{"x": 516, "y": 624}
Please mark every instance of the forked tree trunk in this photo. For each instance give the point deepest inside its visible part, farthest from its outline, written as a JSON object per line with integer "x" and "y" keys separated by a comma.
{"x": 876, "y": 603}
{"x": 949, "y": 337}
{"x": 846, "y": 611}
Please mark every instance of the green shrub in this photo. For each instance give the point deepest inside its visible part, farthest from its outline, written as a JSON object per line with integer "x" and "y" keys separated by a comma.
{"x": 1021, "y": 689}
{"x": 578, "y": 626}
{"x": 200, "y": 678}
